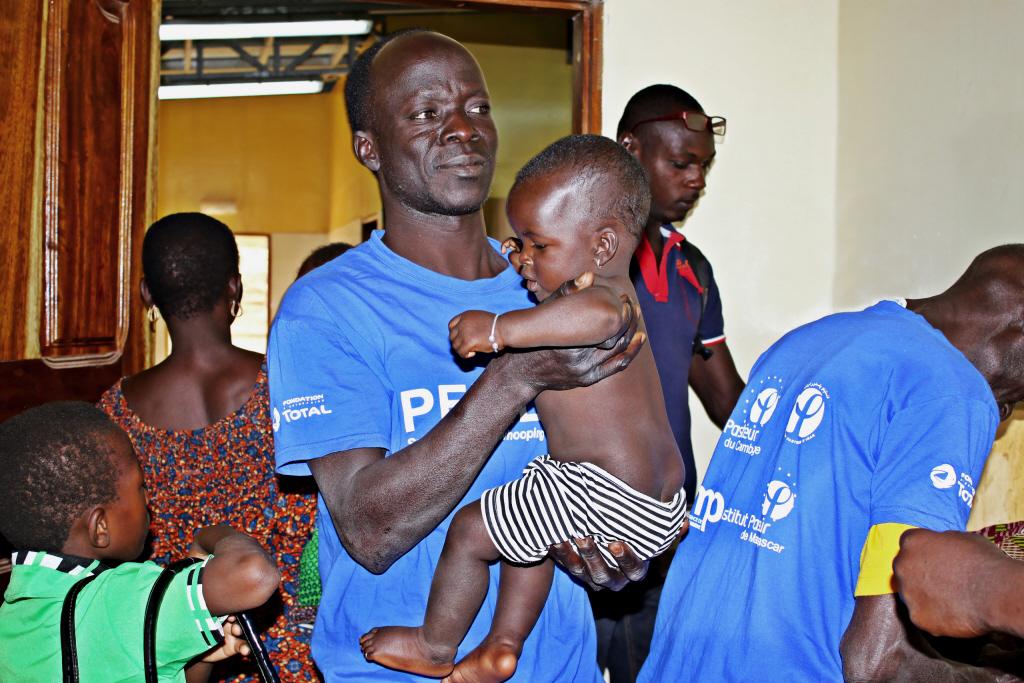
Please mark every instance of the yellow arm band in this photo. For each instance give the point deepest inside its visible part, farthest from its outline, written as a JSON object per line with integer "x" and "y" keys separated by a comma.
{"x": 880, "y": 549}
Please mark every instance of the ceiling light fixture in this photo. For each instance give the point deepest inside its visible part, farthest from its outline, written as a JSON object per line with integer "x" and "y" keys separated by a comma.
{"x": 278, "y": 29}
{"x": 189, "y": 92}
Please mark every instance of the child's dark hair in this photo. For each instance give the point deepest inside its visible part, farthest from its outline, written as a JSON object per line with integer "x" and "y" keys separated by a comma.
{"x": 322, "y": 255}
{"x": 593, "y": 159}
{"x": 653, "y": 101}
{"x": 55, "y": 461}
{"x": 187, "y": 260}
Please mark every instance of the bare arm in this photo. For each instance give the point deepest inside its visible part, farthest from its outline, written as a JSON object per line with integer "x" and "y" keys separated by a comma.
{"x": 881, "y": 644}
{"x": 588, "y": 318}
{"x": 934, "y": 571}
{"x": 716, "y": 383}
{"x": 382, "y": 507}
{"x": 241, "y": 574}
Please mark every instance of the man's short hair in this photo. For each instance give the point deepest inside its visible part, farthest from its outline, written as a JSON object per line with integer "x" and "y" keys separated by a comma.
{"x": 55, "y": 461}
{"x": 188, "y": 260}
{"x": 654, "y": 101}
{"x": 359, "y": 82}
{"x": 593, "y": 159}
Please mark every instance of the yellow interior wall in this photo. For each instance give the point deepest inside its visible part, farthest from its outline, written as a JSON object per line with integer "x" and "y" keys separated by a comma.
{"x": 353, "y": 195}
{"x": 264, "y": 155}
{"x": 1000, "y": 494}
{"x": 531, "y": 102}
{"x": 286, "y": 163}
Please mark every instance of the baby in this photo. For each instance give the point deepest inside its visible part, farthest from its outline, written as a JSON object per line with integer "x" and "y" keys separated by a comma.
{"x": 614, "y": 472}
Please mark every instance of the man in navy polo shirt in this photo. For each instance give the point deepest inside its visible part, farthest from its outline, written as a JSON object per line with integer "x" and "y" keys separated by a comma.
{"x": 673, "y": 139}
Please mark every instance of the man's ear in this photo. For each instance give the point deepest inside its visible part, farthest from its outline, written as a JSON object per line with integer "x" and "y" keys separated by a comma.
{"x": 606, "y": 246}
{"x": 365, "y": 147}
{"x": 98, "y": 527}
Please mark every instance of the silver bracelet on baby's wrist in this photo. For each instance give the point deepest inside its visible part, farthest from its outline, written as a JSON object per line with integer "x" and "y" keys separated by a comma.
{"x": 490, "y": 337}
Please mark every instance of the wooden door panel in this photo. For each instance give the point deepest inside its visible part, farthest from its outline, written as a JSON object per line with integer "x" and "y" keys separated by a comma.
{"x": 20, "y": 47}
{"x": 89, "y": 138}
{"x": 76, "y": 92}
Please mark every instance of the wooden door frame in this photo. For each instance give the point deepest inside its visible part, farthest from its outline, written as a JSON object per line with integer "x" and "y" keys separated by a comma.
{"x": 587, "y": 18}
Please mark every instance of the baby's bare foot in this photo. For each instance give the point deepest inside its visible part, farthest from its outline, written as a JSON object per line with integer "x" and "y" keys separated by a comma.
{"x": 492, "y": 661}
{"x": 403, "y": 648}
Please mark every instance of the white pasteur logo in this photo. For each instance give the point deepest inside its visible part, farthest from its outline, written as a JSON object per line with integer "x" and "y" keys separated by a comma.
{"x": 943, "y": 476}
{"x": 764, "y": 406}
{"x": 807, "y": 414}
{"x": 277, "y": 419}
{"x": 778, "y": 500}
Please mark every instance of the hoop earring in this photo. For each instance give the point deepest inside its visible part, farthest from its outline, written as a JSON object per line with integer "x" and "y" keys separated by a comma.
{"x": 236, "y": 309}
{"x": 152, "y": 315}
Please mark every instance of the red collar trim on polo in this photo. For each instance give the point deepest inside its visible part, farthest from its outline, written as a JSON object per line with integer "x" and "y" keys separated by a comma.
{"x": 655, "y": 274}
{"x": 687, "y": 274}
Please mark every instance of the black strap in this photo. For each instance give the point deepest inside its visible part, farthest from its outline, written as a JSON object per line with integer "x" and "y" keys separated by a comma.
{"x": 69, "y": 652}
{"x": 68, "y": 649}
{"x": 156, "y": 596}
{"x": 268, "y": 674}
{"x": 702, "y": 270}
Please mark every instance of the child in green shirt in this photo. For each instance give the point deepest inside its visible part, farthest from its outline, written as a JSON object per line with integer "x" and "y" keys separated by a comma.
{"x": 74, "y": 507}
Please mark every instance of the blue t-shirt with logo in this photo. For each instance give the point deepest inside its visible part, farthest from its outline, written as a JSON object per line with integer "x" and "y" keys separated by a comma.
{"x": 359, "y": 357}
{"x": 854, "y": 420}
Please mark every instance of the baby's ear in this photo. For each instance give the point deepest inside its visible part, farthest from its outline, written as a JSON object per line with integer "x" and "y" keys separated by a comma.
{"x": 98, "y": 527}
{"x": 605, "y": 246}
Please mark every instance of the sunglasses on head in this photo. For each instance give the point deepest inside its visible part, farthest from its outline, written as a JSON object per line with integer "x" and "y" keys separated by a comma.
{"x": 693, "y": 120}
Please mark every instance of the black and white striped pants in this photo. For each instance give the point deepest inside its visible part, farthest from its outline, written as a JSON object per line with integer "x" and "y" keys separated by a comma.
{"x": 559, "y": 501}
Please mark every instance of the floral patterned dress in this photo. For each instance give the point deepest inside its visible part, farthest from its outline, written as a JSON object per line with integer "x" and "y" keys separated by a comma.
{"x": 225, "y": 473}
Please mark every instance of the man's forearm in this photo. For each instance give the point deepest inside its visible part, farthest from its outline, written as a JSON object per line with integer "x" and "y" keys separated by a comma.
{"x": 717, "y": 384}
{"x": 392, "y": 503}
{"x": 1003, "y": 606}
{"x": 931, "y": 570}
{"x": 881, "y": 644}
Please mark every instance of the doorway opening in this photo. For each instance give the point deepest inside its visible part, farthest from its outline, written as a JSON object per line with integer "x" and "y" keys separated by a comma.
{"x": 282, "y": 166}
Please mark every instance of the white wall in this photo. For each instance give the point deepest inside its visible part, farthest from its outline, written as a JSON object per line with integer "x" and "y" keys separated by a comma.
{"x": 931, "y": 141}
{"x": 767, "y": 221}
{"x": 874, "y": 146}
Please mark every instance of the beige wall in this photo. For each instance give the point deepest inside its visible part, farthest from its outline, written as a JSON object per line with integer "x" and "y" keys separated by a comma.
{"x": 874, "y": 147}
{"x": 931, "y": 135}
{"x": 931, "y": 141}
{"x": 767, "y": 221}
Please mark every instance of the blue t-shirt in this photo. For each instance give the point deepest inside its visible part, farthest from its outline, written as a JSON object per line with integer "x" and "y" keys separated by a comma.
{"x": 669, "y": 295}
{"x": 854, "y": 420}
{"x": 359, "y": 357}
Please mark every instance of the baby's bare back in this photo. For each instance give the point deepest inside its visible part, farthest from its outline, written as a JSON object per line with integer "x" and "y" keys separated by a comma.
{"x": 618, "y": 424}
